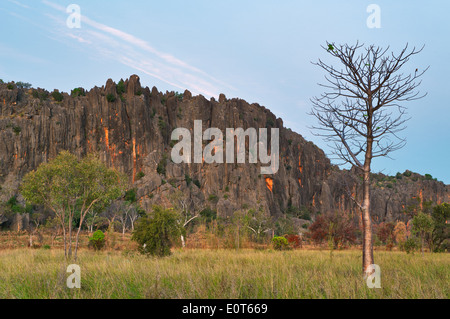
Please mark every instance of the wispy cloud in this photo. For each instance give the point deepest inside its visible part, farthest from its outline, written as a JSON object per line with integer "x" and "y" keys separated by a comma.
{"x": 138, "y": 54}
{"x": 19, "y": 4}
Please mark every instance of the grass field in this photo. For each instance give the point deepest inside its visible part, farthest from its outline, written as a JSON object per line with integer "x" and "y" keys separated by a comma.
{"x": 203, "y": 273}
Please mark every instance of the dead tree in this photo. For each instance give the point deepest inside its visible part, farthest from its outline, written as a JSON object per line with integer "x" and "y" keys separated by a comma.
{"x": 360, "y": 115}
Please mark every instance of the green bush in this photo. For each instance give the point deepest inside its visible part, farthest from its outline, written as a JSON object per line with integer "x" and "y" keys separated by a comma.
{"x": 407, "y": 173}
{"x": 179, "y": 96}
{"x": 197, "y": 183}
{"x": 77, "y": 92}
{"x": 130, "y": 195}
{"x": 16, "y": 130}
{"x": 110, "y": 98}
{"x": 270, "y": 122}
{"x": 57, "y": 96}
{"x": 212, "y": 197}
{"x": 46, "y": 247}
{"x": 10, "y": 86}
{"x": 154, "y": 233}
{"x": 410, "y": 245}
{"x": 188, "y": 179}
{"x": 139, "y": 175}
{"x": 280, "y": 243}
{"x": 162, "y": 125}
{"x": 120, "y": 88}
{"x": 97, "y": 241}
{"x": 161, "y": 168}
{"x": 208, "y": 214}
{"x": 428, "y": 177}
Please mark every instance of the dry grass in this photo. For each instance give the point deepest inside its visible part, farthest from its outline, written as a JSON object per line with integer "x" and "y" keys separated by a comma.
{"x": 38, "y": 273}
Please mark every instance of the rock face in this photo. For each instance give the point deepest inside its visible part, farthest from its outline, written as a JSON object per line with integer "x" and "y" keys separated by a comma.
{"x": 130, "y": 129}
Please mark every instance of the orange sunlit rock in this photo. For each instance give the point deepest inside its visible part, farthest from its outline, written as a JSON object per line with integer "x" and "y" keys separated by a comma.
{"x": 300, "y": 167}
{"x": 269, "y": 183}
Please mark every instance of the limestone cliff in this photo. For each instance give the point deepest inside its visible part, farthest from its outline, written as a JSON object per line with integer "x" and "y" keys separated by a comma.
{"x": 130, "y": 129}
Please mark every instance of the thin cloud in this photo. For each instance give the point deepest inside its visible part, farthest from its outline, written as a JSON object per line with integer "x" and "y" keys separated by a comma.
{"x": 135, "y": 54}
{"x": 19, "y": 4}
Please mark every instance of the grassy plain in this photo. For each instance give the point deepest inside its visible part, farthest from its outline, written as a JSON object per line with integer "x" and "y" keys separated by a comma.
{"x": 221, "y": 273}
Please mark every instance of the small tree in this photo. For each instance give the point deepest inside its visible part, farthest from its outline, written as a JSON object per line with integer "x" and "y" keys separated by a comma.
{"x": 69, "y": 186}
{"x": 259, "y": 223}
{"x": 154, "y": 232}
{"x": 441, "y": 231}
{"x": 335, "y": 229}
{"x": 422, "y": 226}
{"x": 182, "y": 204}
{"x": 400, "y": 232}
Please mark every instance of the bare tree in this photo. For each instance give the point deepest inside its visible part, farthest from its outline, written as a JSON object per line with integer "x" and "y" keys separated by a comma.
{"x": 182, "y": 204}
{"x": 360, "y": 115}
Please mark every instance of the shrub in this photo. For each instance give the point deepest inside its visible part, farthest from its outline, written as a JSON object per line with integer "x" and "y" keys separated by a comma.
{"x": 120, "y": 88}
{"x": 196, "y": 183}
{"x": 212, "y": 197}
{"x": 153, "y": 233}
{"x": 270, "y": 122}
{"x": 410, "y": 245}
{"x": 398, "y": 176}
{"x": 110, "y": 98}
{"x": 280, "y": 243}
{"x": 46, "y": 247}
{"x": 295, "y": 241}
{"x": 139, "y": 175}
{"x": 161, "y": 124}
{"x": 208, "y": 214}
{"x": 188, "y": 179}
{"x": 161, "y": 168}
{"x": 179, "y": 96}
{"x": 130, "y": 195}
{"x": 10, "y": 86}
{"x": 16, "y": 130}
{"x": 97, "y": 241}
{"x": 428, "y": 177}
{"x": 407, "y": 173}
{"x": 57, "y": 96}
{"x": 77, "y": 92}
{"x": 341, "y": 230}
{"x": 385, "y": 232}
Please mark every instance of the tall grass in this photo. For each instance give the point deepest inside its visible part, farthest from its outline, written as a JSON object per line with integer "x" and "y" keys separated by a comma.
{"x": 28, "y": 273}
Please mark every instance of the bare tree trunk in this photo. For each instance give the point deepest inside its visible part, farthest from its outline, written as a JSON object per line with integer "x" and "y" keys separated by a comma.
{"x": 70, "y": 237}
{"x": 367, "y": 222}
{"x": 183, "y": 243}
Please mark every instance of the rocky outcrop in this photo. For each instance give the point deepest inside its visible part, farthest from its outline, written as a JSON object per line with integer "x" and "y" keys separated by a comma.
{"x": 130, "y": 129}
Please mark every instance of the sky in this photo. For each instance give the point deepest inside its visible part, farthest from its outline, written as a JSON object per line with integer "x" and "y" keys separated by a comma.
{"x": 260, "y": 51}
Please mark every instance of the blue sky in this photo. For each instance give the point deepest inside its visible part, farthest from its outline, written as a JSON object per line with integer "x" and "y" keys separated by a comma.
{"x": 259, "y": 51}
